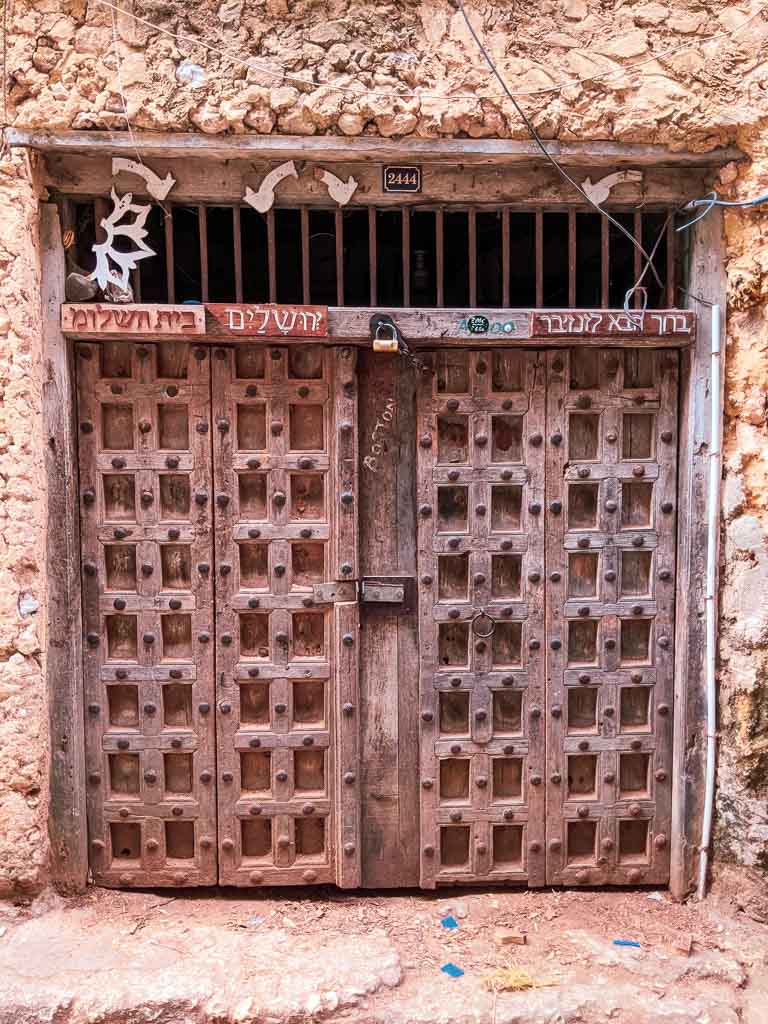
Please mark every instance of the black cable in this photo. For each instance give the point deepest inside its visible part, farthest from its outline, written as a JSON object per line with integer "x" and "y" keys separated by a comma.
{"x": 535, "y": 136}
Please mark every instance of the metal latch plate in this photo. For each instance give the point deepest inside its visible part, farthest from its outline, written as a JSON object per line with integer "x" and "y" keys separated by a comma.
{"x": 383, "y": 593}
{"x": 336, "y": 592}
{"x": 388, "y": 594}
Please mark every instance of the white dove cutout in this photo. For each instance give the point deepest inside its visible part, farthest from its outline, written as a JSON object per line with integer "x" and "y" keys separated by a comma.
{"x": 157, "y": 187}
{"x": 601, "y": 189}
{"x": 340, "y": 191}
{"x": 262, "y": 200}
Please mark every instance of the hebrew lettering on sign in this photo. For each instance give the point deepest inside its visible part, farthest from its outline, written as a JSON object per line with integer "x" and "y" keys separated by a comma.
{"x": 96, "y": 318}
{"x": 270, "y": 321}
{"x": 612, "y": 322}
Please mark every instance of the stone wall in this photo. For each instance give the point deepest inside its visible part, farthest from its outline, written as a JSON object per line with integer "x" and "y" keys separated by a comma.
{"x": 23, "y": 722}
{"x": 63, "y": 74}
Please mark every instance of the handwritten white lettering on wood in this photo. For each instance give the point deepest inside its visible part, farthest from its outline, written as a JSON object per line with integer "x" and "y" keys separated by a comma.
{"x": 157, "y": 187}
{"x": 263, "y": 199}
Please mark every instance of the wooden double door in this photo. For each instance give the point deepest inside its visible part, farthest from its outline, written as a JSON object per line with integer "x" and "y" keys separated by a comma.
{"x": 220, "y": 500}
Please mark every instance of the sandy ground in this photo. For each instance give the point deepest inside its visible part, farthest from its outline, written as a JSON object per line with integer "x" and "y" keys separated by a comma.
{"x": 221, "y": 956}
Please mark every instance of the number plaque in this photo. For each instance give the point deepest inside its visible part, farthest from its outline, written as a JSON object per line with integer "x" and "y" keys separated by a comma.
{"x": 402, "y": 179}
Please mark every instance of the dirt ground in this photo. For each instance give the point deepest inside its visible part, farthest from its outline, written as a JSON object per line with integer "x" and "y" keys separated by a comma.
{"x": 273, "y": 956}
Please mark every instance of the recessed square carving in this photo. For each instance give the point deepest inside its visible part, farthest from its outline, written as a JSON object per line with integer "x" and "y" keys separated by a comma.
{"x": 581, "y": 839}
{"x": 582, "y": 776}
{"x": 176, "y": 565}
{"x": 506, "y": 438}
{"x": 173, "y": 427}
{"x": 256, "y": 838}
{"x": 635, "y": 641}
{"x": 508, "y": 847}
{"x": 115, "y": 359}
{"x": 308, "y": 634}
{"x": 507, "y": 712}
{"x": 307, "y": 496}
{"x": 454, "y": 846}
{"x": 119, "y": 498}
{"x": 636, "y": 504}
{"x": 307, "y": 564}
{"x": 305, "y": 362}
{"x": 309, "y": 702}
{"x": 635, "y": 573}
{"x": 117, "y": 427}
{"x": 583, "y": 436}
{"x": 582, "y": 506}
{"x": 124, "y": 774}
{"x": 584, "y": 366}
{"x": 506, "y": 572}
{"x": 309, "y": 771}
{"x": 174, "y": 496}
{"x": 254, "y": 565}
{"x": 634, "y": 775}
{"x": 177, "y": 772}
{"x": 635, "y": 706}
{"x": 256, "y": 771}
{"x": 252, "y": 491}
{"x": 638, "y": 368}
{"x": 453, "y": 643}
{"x": 254, "y": 635}
{"x": 633, "y": 841}
{"x": 254, "y": 704}
{"x": 454, "y": 778}
{"x": 309, "y": 836}
{"x": 120, "y": 566}
{"x": 506, "y": 644}
{"x": 453, "y": 577}
{"x": 454, "y": 713}
{"x": 252, "y": 427}
{"x": 180, "y": 840}
{"x": 452, "y": 439}
{"x": 125, "y": 840}
{"x": 582, "y": 641}
{"x": 249, "y": 362}
{"x": 452, "y": 372}
{"x": 582, "y": 574}
{"x": 507, "y": 778}
{"x": 172, "y": 360}
{"x": 637, "y": 435}
{"x": 506, "y": 508}
{"x": 452, "y": 505}
{"x": 582, "y": 709}
{"x": 507, "y": 370}
{"x": 122, "y": 642}
{"x": 177, "y": 637}
{"x": 177, "y": 705}
{"x": 123, "y": 702}
{"x": 307, "y": 428}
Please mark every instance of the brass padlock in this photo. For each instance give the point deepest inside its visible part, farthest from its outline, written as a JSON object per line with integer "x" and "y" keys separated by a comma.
{"x": 385, "y": 344}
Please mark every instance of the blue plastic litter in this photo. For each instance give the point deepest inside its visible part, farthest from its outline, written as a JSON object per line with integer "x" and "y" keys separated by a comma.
{"x": 452, "y": 970}
{"x": 449, "y": 922}
{"x": 626, "y": 942}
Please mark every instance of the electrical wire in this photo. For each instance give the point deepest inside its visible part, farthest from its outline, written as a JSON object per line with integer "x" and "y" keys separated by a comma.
{"x": 537, "y": 139}
{"x": 362, "y": 90}
{"x": 712, "y": 199}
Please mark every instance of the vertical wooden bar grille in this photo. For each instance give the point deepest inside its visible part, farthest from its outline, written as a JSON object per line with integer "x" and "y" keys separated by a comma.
{"x": 605, "y": 270}
{"x": 202, "y": 214}
{"x": 305, "y": 280}
{"x": 238, "y": 243}
{"x": 339, "y": 224}
{"x": 637, "y": 231}
{"x": 372, "y": 253}
{"x": 272, "y": 256}
{"x": 473, "y": 257}
{"x": 539, "y": 233}
{"x": 406, "y": 257}
{"x": 440, "y": 256}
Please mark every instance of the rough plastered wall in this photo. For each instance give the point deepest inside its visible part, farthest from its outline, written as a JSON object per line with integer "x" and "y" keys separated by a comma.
{"x": 62, "y": 68}
{"x": 23, "y": 733}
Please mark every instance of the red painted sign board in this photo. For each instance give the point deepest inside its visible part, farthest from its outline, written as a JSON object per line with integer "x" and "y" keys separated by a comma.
{"x": 269, "y": 320}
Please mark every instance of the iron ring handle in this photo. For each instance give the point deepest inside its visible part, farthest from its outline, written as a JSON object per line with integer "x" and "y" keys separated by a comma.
{"x": 482, "y": 614}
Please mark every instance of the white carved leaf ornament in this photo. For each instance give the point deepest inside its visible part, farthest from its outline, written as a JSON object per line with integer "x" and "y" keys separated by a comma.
{"x": 113, "y": 266}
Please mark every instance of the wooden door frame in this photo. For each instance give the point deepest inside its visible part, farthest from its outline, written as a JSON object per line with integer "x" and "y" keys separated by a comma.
{"x": 63, "y": 661}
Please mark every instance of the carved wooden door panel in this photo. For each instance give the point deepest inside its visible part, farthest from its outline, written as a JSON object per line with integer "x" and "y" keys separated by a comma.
{"x": 145, "y": 483}
{"x": 287, "y": 623}
{"x": 481, "y": 547}
{"x": 610, "y": 559}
